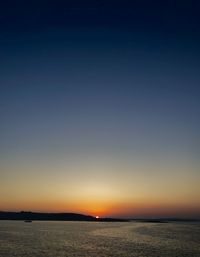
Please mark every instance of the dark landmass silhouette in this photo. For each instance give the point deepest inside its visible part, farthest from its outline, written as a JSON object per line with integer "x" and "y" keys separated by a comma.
{"x": 28, "y": 216}
{"x": 31, "y": 216}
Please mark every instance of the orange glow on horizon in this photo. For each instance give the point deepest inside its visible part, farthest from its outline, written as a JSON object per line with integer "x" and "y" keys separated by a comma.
{"x": 109, "y": 209}
{"x": 112, "y": 206}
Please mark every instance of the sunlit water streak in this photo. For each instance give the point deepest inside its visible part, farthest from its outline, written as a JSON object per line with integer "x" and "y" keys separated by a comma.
{"x": 91, "y": 239}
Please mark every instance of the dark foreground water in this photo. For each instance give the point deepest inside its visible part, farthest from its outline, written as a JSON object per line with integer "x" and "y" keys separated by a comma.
{"x": 91, "y": 239}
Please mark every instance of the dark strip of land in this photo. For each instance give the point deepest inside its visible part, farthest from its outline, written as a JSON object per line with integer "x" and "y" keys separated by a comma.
{"x": 27, "y": 216}
{"x": 30, "y": 216}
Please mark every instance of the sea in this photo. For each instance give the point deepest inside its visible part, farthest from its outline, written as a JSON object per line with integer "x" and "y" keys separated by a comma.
{"x": 99, "y": 239}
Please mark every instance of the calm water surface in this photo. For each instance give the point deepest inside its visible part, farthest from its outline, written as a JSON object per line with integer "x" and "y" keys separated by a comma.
{"x": 91, "y": 239}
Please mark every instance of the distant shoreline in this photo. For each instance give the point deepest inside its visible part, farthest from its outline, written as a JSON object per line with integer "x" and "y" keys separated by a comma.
{"x": 40, "y": 216}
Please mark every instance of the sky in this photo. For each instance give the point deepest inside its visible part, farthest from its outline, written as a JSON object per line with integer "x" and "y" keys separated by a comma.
{"x": 99, "y": 107}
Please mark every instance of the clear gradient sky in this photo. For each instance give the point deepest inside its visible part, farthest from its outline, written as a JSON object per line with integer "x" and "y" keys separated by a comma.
{"x": 100, "y": 108}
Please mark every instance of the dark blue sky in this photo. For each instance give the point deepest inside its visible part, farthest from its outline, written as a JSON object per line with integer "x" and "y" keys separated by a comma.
{"x": 100, "y": 77}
